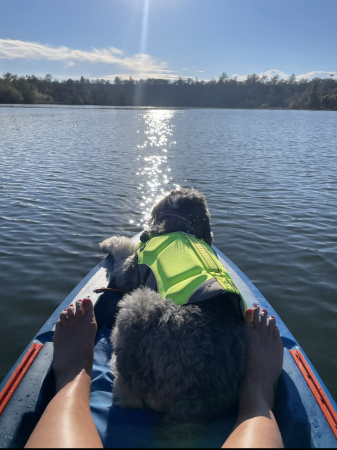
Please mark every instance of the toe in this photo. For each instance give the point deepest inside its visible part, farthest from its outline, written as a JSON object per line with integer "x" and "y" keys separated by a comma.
{"x": 71, "y": 311}
{"x": 64, "y": 317}
{"x": 272, "y": 323}
{"x": 276, "y": 333}
{"x": 79, "y": 308}
{"x": 249, "y": 320}
{"x": 249, "y": 316}
{"x": 264, "y": 315}
{"x": 256, "y": 312}
{"x": 88, "y": 307}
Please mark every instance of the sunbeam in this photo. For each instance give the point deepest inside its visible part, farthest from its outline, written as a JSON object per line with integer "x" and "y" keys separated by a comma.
{"x": 144, "y": 27}
{"x": 143, "y": 42}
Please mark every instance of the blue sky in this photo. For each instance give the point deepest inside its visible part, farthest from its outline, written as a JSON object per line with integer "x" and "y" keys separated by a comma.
{"x": 168, "y": 38}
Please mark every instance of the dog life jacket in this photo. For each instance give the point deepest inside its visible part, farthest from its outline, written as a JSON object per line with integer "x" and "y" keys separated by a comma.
{"x": 185, "y": 269}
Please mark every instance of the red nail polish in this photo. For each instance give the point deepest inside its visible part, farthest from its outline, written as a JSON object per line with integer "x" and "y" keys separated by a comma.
{"x": 64, "y": 310}
{"x": 86, "y": 300}
{"x": 249, "y": 311}
{"x": 264, "y": 310}
{"x": 272, "y": 317}
{"x": 80, "y": 300}
{"x": 71, "y": 305}
{"x": 255, "y": 306}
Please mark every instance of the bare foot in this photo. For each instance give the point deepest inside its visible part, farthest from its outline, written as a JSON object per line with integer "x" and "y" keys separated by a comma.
{"x": 256, "y": 426}
{"x": 74, "y": 342}
{"x": 264, "y": 358}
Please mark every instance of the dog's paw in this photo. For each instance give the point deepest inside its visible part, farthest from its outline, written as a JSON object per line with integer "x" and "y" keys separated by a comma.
{"x": 120, "y": 247}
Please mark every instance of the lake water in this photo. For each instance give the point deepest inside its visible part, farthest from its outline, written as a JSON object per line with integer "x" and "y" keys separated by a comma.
{"x": 72, "y": 176}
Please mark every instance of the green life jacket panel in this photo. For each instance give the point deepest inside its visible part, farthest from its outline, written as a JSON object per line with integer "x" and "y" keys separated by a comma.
{"x": 185, "y": 269}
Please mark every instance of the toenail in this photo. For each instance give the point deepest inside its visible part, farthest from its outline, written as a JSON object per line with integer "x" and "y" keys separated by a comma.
{"x": 272, "y": 317}
{"x": 264, "y": 310}
{"x": 80, "y": 300}
{"x": 249, "y": 311}
{"x": 255, "y": 306}
{"x": 86, "y": 300}
{"x": 64, "y": 310}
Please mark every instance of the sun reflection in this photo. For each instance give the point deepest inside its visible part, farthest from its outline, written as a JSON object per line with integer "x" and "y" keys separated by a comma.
{"x": 153, "y": 167}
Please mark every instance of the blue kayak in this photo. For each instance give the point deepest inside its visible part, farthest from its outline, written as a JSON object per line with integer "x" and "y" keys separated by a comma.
{"x": 304, "y": 408}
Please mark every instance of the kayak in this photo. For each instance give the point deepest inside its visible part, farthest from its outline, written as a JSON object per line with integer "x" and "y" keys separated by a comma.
{"x": 304, "y": 409}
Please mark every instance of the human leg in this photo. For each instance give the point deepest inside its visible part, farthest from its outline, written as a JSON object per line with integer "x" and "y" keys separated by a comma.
{"x": 67, "y": 421}
{"x": 256, "y": 425}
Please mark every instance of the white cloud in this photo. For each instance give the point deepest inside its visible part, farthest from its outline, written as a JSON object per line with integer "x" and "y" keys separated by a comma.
{"x": 274, "y": 73}
{"x": 271, "y": 73}
{"x": 184, "y": 69}
{"x": 317, "y": 73}
{"x": 139, "y": 64}
{"x": 169, "y": 75}
{"x": 200, "y": 70}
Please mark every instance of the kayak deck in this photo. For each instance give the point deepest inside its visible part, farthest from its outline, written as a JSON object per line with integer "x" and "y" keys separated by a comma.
{"x": 299, "y": 416}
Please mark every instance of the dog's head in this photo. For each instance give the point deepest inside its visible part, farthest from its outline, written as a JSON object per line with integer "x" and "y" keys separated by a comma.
{"x": 182, "y": 210}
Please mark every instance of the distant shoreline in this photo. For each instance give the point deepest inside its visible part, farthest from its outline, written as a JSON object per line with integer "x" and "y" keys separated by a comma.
{"x": 51, "y": 104}
{"x": 225, "y": 93}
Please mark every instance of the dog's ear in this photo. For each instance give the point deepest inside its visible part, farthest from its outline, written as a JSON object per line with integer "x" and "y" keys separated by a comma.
{"x": 156, "y": 210}
{"x": 204, "y": 230}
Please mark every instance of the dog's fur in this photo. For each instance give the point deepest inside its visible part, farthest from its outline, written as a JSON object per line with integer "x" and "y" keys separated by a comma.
{"x": 185, "y": 360}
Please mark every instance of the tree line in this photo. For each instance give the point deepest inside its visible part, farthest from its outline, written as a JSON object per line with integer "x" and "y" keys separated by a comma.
{"x": 225, "y": 92}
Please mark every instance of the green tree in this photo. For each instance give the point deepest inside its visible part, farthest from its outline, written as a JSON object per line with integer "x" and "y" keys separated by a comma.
{"x": 329, "y": 101}
{"x": 252, "y": 79}
{"x": 275, "y": 79}
{"x": 9, "y": 94}
{"x": 223, "y": 77}
{"x": 314, "y": 99}
{"x": 292, "y": 79}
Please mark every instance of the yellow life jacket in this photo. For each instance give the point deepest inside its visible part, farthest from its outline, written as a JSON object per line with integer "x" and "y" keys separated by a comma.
{"x": 185, "y": 269}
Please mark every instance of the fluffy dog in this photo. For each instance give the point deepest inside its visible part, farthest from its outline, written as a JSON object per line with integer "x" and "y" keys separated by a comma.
{"x": 186, "y": 361}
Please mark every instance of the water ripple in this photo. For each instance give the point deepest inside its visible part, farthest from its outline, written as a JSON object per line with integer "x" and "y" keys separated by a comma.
{"x": 270, "y": 178}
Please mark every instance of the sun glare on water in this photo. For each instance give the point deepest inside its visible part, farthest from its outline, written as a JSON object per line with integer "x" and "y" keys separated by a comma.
{"x": 153, "y": 170}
